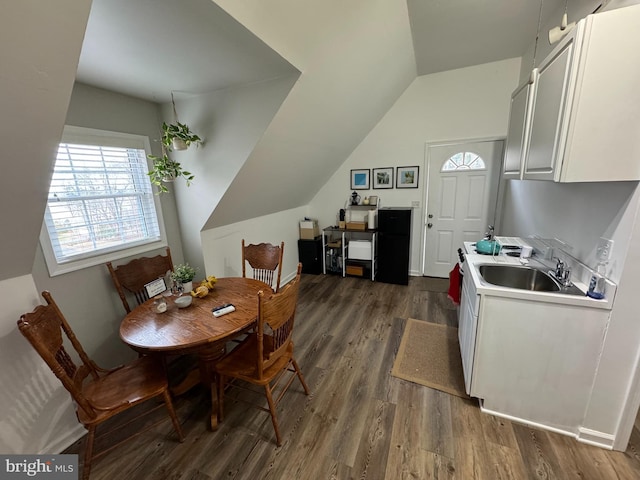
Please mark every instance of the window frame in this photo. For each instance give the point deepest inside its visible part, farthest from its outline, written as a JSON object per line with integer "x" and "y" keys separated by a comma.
{"x": 461, "y": 168}
{"x": 92, "y": 136}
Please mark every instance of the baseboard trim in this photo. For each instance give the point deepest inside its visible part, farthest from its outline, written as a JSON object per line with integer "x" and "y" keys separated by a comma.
{"x": 584, "y": 435}
{"x": 596, "y": 438}
{"x": 528, "y": 423}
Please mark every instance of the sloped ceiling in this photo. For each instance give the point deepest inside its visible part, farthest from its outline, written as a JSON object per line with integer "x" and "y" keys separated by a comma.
{"x": 41, "y": 44}
{"x": 149, "y": 48}
{"x": 355, "y": 57}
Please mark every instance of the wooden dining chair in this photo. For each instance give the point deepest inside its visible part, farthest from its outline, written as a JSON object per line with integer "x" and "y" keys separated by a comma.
{"x": 98, "y": 394}
{"x": 266, "y": 261}
{"x": 133, "y": 276}
{"x": 267, "y": 354}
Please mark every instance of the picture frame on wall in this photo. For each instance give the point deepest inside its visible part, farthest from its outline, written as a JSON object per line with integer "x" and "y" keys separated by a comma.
{"x": 407, "y": 177}
{"x": 382, "y": 178}
{"x": 360, "y": 179}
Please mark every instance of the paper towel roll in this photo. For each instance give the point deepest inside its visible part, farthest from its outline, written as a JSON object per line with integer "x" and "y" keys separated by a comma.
{"x": 371, "y": 223}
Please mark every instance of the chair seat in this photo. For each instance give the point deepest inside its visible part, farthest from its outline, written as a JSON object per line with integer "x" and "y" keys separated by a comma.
{"x": 122, "y": 388}
{"x": 241, "y": 362}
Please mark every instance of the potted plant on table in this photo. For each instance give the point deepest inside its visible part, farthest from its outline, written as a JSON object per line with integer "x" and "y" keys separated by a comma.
{"x": 183, "y": 275}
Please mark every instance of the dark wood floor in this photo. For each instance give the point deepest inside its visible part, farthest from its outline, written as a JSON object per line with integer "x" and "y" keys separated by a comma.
{"x": 360, "y": 422}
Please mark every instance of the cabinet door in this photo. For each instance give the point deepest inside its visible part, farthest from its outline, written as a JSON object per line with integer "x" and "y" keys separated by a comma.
{"x": 467, "y": 325}
{"x": 518, "y": 133}
{"x": 545, "y": 146}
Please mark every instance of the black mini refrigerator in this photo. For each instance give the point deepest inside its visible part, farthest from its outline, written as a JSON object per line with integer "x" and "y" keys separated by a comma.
{"x": 394, "y": 242}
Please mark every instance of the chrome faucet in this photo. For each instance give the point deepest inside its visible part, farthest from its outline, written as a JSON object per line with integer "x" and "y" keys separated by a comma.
{"x": 562, "y": 273}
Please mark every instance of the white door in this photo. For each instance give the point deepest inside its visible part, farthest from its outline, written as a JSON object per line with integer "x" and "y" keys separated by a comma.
{"x": 462, "y": 191}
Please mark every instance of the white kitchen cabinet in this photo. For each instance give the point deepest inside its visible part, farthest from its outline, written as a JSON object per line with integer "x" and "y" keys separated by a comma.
{"x": 467, "y": 325}
{"x": 518, "y": 133}
{"x": 584, "y": 123}
{"x": 530, "y": 356}
{"x": 535, "y": 362}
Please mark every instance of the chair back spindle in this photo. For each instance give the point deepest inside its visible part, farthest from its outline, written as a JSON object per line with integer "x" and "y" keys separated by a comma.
{"x": 133, "y": 276}
{"x": 265, "y": 260}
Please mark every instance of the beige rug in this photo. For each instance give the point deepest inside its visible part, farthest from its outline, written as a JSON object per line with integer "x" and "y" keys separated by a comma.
{"x": 429, "y": 355}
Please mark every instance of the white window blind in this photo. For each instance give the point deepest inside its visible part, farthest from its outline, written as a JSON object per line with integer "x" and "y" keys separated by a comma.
{"x": 100, "y": 200}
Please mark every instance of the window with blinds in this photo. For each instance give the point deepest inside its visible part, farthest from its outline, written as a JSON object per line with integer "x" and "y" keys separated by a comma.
{"x": 100, "y": 200}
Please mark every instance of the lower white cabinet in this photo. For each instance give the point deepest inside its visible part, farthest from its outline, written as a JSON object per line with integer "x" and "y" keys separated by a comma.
{"x": 535, "y": 361}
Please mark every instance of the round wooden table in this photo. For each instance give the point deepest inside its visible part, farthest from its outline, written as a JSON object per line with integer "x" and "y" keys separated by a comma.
{"x": 194, "y": 329}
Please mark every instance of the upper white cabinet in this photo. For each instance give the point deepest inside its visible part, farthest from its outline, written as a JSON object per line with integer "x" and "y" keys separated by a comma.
{"x": 584, "y": 113}
{"x": 518, "y": 133}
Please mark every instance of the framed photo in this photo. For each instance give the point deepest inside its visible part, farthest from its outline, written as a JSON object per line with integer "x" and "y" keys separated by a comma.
{"x": 407, "y": 177}
{"x": 155, "y": 287}
{"x": 383, "y": 177}
{"x": 360, "y": 179}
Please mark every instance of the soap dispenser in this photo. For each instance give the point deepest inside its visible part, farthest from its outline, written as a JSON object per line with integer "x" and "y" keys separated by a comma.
{"x": 597, "y": 282}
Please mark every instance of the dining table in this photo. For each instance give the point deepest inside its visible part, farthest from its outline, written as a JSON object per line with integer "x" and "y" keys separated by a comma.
{"x": 194, "y": 329}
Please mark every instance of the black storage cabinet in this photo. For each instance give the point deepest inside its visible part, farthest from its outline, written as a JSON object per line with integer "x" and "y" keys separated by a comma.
{"x": 310, "y": 255}
{"x": 394, "y": 245}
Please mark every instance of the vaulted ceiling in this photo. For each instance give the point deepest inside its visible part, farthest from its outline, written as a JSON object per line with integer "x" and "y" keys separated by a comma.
{"x": 148, "y": 48}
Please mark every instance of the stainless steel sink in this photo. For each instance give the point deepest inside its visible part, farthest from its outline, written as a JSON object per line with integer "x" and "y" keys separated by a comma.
{"x": 520, "y": 277}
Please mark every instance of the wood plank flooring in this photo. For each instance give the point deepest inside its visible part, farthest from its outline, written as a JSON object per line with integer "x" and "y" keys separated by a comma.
{"x": 359, "y": 422}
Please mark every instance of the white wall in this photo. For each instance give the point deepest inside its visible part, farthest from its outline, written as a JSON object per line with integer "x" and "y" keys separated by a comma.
{"x": 82, "y": 293}
{"x": 230, "y": 122}
{"x": 222, "y": 245}
{"x": 356, "y": 58}
{"x": 460, "y": 104}
{"x": 36, "y": 413}
{"x": 41, "y": 44}
{"x": 578, "y": 214}
{"x": 86, "y": 297}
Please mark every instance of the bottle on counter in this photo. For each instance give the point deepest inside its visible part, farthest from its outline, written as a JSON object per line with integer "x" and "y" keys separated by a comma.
{"x": 597, "y": 283}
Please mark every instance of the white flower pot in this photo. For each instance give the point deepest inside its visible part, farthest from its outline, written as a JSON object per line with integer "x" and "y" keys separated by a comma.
{"x": 178, "y": 144}
{"x": 187, "y": 287}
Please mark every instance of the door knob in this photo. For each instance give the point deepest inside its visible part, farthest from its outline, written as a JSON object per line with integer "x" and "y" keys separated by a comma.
{"x": 430, "y": 215}
{"x": 429, "y": 225}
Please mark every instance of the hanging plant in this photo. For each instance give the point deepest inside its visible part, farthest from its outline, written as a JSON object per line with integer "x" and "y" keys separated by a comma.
{"x": 175, "y": 136}
{"x": 166, "y": 170}
{"x": 178, "y": 136}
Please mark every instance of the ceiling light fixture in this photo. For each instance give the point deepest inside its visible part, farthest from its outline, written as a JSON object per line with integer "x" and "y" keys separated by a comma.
{"x": 556, "y": 33}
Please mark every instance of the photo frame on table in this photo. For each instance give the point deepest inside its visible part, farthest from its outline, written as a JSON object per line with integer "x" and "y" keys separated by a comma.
{"x": 360, "y": 179}
{"x": 382, "y": 178}
{"x": 407, "y": 177}
{"x": 155, "y": 287}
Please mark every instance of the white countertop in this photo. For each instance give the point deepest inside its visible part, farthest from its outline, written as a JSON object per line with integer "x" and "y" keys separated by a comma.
{"x": 473, "y": 261}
